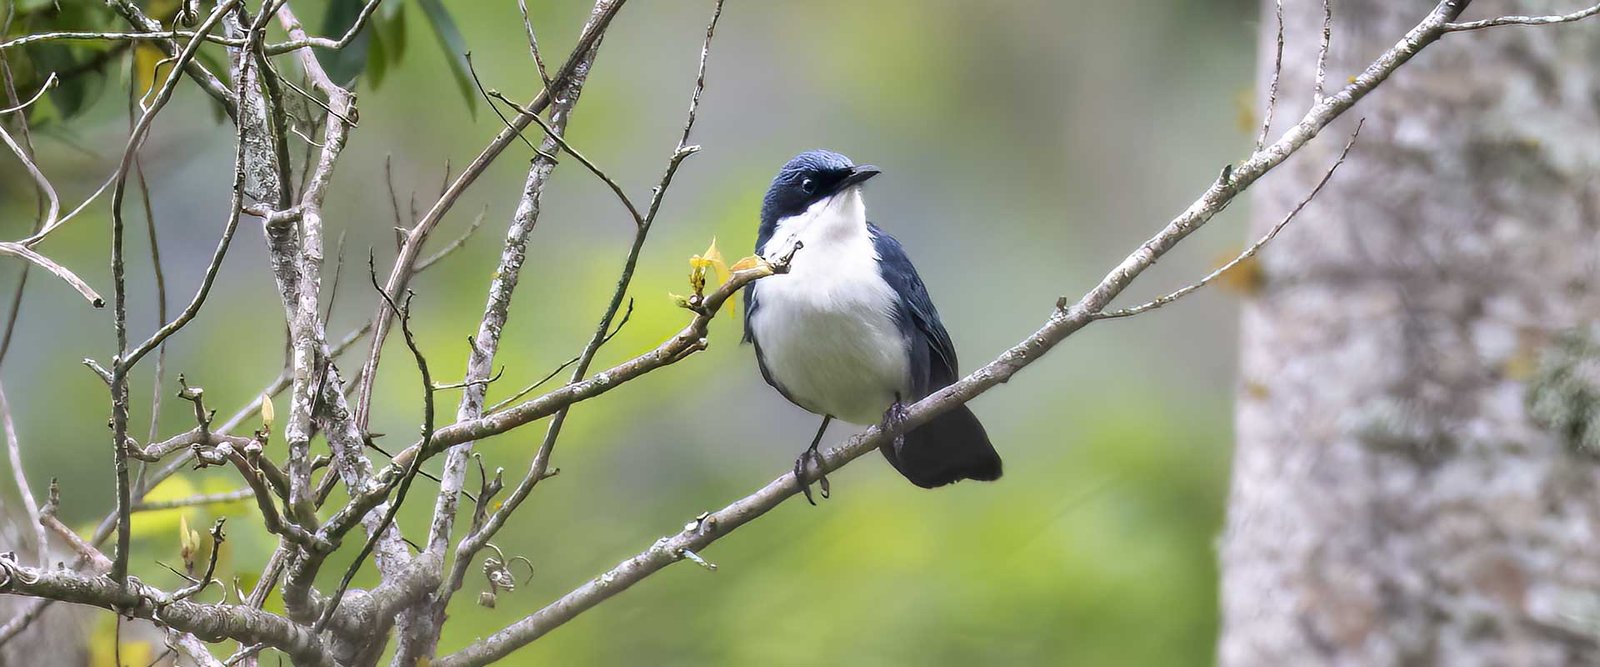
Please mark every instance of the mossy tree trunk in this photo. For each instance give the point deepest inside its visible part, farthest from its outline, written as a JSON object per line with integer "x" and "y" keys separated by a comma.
{"x": 1416, "y": 478}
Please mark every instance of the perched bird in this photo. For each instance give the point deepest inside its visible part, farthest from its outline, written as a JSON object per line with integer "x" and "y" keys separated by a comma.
{"x": 849, "y": 332}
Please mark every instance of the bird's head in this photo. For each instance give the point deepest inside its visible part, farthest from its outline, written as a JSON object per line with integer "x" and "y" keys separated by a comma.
{"x": 810, "y": 178}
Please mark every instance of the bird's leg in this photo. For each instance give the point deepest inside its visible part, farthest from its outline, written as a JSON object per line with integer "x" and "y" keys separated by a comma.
{"x": 811, "y": 455}
{"x": 893, "y": 418}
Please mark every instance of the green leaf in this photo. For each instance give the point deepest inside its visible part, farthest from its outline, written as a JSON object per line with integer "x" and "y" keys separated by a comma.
{"x": 388, "y": 43}
{"x": 393, "y": 29}
{"x": 454, "y": 46}
{"x": 74, "y": 92}
{"x": 345, "y": 64}
{"x": 378, "y": 58}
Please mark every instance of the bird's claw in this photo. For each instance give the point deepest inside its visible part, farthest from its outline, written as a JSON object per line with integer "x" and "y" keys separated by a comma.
{"x": 893, "y": 418}
{"x": 810, "y": 456}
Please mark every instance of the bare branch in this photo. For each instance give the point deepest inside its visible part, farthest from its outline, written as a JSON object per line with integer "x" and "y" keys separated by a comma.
{"x": 87, "y": 553}
{"x": 233, "y": 423}
{"x": 29, "y": 504}
{"x": 87, "y": 36}
{"x": 316, "y": 378}
{"x": 191, "y": 501}
{"x": 1272, "y": 87}
{"x": 323, "y": 42}
{"x": 212, "y": 269}
{"x": 50, "y": 83}
{"x": 191, "y": 648}
{"x": 207, "y": 81}
{"x": 211, "y": 564}
{"x": 1523, "y": 20}
{"x": 1322, "y": 48}
{"x": 454, "y": 245}
{"x": 557, "y": 371}
{"x": 492, "y": 95}
{"x": 158, "y": 273}
{"x": 533, "y": 47}
{"x": 691, "y": 339}
{"x": 138, "y": 600}
{"x": 62, "y": 272}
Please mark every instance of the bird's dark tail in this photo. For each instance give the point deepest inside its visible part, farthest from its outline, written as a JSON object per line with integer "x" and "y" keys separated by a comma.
{"x": 948, "y": 449}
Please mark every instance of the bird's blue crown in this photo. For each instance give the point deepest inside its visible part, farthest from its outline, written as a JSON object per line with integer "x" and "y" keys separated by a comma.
{"x": 803, "y": 180}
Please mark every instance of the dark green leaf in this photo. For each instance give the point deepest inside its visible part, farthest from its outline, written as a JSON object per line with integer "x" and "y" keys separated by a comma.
{"x": 80, "y": 71}
{"x": 345, "y": 64}
{"x": 454, "y": 46}
{"x": 378, "y": 58}
{"x": 394, "y": 35}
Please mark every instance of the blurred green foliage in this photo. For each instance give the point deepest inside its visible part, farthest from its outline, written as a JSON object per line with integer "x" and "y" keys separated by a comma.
{"x": 1027, "y": 145}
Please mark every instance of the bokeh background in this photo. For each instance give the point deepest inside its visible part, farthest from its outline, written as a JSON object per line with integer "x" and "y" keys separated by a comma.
{"x": 1028, "y": 146}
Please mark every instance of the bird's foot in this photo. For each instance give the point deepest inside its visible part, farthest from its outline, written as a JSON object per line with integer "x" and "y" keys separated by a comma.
{"x": 893, "y": 418}
{"x": 810, "y": 456}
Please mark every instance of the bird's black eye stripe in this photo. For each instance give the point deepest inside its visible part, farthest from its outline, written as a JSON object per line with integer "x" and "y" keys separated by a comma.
{"x": 809, "y": 185}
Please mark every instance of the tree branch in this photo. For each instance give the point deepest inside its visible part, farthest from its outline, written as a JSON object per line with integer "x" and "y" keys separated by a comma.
{"x": 29, "y": 505}
{"x": 1523, "y": 20}
{"x": 211, "y": 622}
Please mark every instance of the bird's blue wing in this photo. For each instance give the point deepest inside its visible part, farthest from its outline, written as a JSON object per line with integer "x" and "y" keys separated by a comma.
{"x": 934, "y": 363}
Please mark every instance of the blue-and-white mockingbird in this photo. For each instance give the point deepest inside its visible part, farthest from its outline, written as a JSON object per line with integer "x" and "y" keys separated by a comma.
{"x": 849, "y": 332}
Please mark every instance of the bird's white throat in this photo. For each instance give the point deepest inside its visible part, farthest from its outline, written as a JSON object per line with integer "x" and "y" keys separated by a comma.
{"x": 837, "y": 220}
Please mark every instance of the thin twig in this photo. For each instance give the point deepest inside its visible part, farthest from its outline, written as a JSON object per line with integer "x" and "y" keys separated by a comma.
{"x": 85, "y": 36}
{"x": 87, "y": 554}
{"x": 1272, "y": 85}
{"x": 49, "y": 84}
{"x": 541, "y": 381}
{"x": 1248, "y": 252}
{"x": 561, "y": 141}
{"x": 323, "y": 42}
{"x": 159, "y": 275}
{"x": 211, "y": 564}
{"x": 191, "y": 501}
{"x": 59, "y": 271}
{"x": 1523, "y": 20}
{"x": 1322, "y": 49}
{"x": 212, "y": 269}
{"x": 455, "y": 244}
{"x": 533, "y": 47}
{"x": 29, "y": 505}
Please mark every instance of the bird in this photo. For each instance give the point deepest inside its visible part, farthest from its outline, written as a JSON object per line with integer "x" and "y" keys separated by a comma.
{"x": 849, "y": 331}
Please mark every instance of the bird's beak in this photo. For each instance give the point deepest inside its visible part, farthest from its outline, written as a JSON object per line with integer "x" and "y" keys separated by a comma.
{"x": 859, "y": 174}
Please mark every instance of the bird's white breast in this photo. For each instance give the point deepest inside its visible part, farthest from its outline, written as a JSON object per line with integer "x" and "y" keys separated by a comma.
{"x": 826, "y": 328}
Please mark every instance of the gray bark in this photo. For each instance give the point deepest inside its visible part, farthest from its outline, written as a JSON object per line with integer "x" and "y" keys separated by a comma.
{"x": 1416, "y": 480}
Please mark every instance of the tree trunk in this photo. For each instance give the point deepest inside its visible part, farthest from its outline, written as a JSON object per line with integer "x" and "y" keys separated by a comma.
{"x": 1416, "y": 478}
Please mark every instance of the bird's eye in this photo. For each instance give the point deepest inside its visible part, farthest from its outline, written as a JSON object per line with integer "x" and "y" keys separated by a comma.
{"x": 809, "y": 186}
